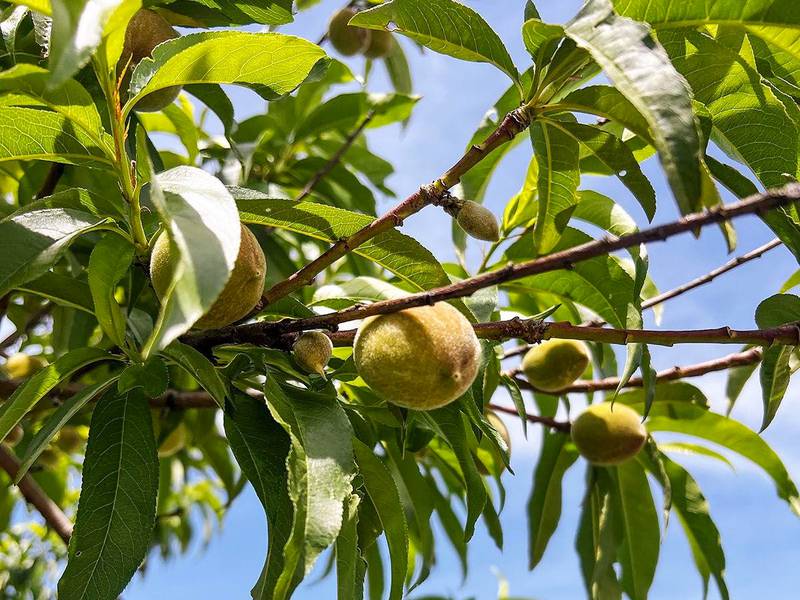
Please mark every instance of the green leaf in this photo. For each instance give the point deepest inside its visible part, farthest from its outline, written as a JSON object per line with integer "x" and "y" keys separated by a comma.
{"x": 775, "y": 369}
{"x": 117, "y": 507}
{"x": 541, "y": 40}
{"x": 36, "y": 387}
{"x": 79, "y": 199}
{"x": 398, "y": 253}
{"x": 601, "y": 284}
{"x": 199, "y": 367}
{"x": 346, "y": 111}
{"x": 750, "y": 121}
{"x": 417, "y": 502}
{"x": 201, "y": 219}
{"x": 444, "y": 26}
{"x": 774, "y": 375}
{"x": 31, "y": 84}
{"x": 384, "y": 495}
{"x": 642, "y": 72}
{"x": 273, "y": 63}
{"x": 260, "y": 446}
{"x": 62, "y": 289}
{"x": 690, "y": 419}
{"x": 56, "y": 421}
{"x": 108, "y": 263}
{"x": 612, "y": 152}
{"x": 557, "y": 157}
{"x": 693, "y": 512}
{"x": 516, "y": 397}
{"x": 636, "y": 519}
{"x": 544, "y": 505}
{"x": 698, "y": 13}
{"x": 30, "y": 243}
{"x": 34, "y": 134}
{"x": 596, "y": 542}
{"x": 737, "y": 378}
{"x": 321, "y": 470}
{"x": 398, "y": 70}
{"x": 452, "y": 425}
{"x": 78, "y": 27}
{"x": 350, "y": 567}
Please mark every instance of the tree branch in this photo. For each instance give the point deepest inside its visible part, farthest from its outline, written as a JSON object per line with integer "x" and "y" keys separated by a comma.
{"x": 513, "y": 123}
{"x": 334, "y": 160}
{"x": 51, "y": 180}
{"x": 739, "y": 359}
{"x": 269, "y": 332}
{"x": 562, "y": 426}
{"x": 681, "y": 289}
{"x": 36, "y": 496}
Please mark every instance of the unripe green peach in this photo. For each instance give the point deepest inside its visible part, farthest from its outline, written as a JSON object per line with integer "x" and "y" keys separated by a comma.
{"x": 606, "y": 435}
{"x": 21, "y": 365}
{"x": 555, "y": 364}
{"x": 347, "y": 40}
{"x": 174, "y": 442}
{"x": 69, "y": 439}
{"x": 478, "y": 222}
{"x": 146, "y": 30}
{"x": 240, "y": 294}
{"x": 421, "y": 358}
{"x": 312, "y": 351}
{"x": 380, "y": 44}
{"x": 14, "y": 436}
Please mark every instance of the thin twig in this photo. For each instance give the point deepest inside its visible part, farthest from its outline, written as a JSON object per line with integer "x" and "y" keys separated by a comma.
{"x": 268, "y": 332}
{"x": 562, "y": 426}
{"x": 728, "y": 266}
{"x": 36, "y": 496}
{"x": 681, "y": 289}
{"x": 334, "y": 160}
{"x": 51, "y": 180}
{"x": 512, "y": 124}
{"x": 739, "y": 359}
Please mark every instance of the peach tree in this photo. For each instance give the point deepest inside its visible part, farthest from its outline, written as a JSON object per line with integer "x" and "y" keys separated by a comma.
{"x": 191, "y": 318}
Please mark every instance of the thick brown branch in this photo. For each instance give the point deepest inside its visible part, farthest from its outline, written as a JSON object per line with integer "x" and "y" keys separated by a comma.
{"x": 513, "y": 123}
{"x": 259, "y": 333}
{"x": 36, "y": 496}
{"x": 739, "y": 359}
{"x": 334, "y": 160}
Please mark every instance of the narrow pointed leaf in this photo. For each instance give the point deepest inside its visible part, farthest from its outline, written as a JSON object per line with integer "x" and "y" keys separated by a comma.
{"x": 260, "y": 447}
{"x": 30, "y": 243}
{"x": 641, "y": 70}
{"x": 117, "y": 507}
{"x": 384, "y": 495}
{"x": 36, "y": 387}
{"x": 56, "y": 421}
{"x": 544, "y": 505}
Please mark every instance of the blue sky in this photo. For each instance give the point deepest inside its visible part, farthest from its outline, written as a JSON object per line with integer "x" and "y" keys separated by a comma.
{"x": 761, "y": 536}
